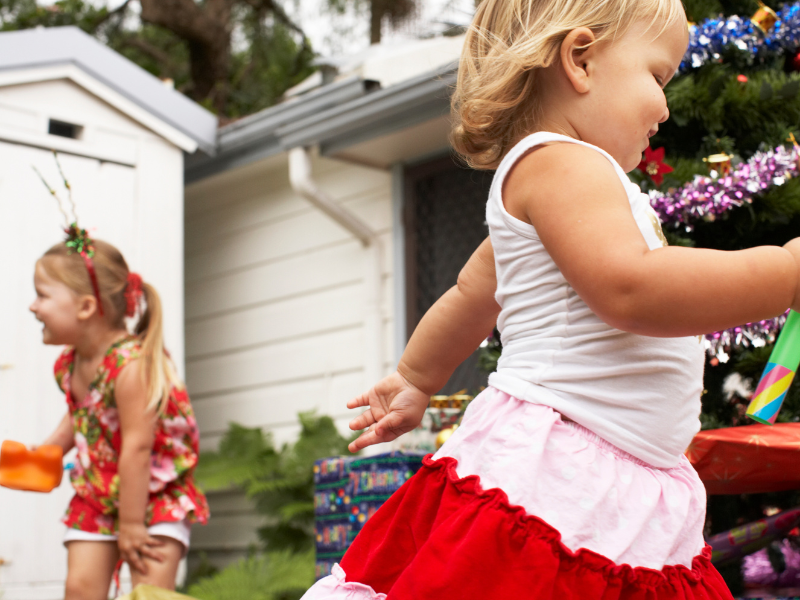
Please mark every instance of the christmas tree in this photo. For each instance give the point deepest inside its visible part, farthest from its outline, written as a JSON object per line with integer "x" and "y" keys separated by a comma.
{"x": 735, "y": 99}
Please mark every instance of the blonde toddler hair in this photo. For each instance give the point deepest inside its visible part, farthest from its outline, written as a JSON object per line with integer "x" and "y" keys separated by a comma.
{"x": 495, "y": 102}
{"x": 69, "y": 268}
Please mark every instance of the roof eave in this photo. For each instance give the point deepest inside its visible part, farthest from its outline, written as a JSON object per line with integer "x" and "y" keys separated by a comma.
{"x": 369, "y": 116}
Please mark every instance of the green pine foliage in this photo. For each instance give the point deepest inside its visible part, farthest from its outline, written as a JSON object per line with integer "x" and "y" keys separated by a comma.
{"x": 281, "y": 485}
{"x": 711, "y": 104}
{"x": 281, "y": 575}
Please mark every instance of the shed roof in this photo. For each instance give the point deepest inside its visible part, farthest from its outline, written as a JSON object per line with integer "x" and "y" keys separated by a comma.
{"x": 55, "y": 46}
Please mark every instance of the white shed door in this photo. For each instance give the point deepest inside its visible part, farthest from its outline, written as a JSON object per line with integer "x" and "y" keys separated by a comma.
{"x": 30, "y": 403}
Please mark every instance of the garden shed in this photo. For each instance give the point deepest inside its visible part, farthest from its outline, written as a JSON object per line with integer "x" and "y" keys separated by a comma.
{"x": 121, "y": 135}
{"x": 316, "y": 237}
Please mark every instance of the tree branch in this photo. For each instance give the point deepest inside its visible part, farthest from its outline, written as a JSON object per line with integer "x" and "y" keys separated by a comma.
{"x": 112, "y": 13}
{"x": 278, "y": 13}
{"x": 187, "y": 19}
{"x": 153, "y": 52}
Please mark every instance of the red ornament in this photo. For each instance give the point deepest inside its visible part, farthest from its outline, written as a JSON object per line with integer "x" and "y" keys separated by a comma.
{"x": 741, "y": 78}
{"x": 796, "y": 62}
{"x": 653, "y": 164}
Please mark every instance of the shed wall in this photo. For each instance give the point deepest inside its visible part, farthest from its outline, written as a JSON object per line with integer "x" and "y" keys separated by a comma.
{"x": 275, "y": 307}
{"x": 132, "y": 198}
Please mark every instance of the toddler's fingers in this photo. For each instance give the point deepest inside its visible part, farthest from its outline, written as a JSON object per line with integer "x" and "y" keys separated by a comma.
{"x": 362, "y": 421}
{"x": 368, "y": 438}
{"x": 362, "y": 400}
{"x": 391, "y": 426}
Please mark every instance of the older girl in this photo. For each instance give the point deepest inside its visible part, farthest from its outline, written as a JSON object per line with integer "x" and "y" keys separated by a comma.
{"x": 128, "y": 415}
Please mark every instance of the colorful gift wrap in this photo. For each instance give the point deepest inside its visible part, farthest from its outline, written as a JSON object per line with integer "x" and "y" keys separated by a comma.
{"x": 329, "y": 470}
{"x": 347, "y": 492}
{"x": 778, "y": 374}
{"x": 746, "y": 539}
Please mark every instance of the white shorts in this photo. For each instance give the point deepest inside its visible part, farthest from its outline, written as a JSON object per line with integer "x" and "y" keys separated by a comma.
{"x": 180, "y": 531}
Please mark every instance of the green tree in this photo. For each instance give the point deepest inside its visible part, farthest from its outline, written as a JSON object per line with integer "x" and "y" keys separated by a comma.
{"x": 191, "y": 43}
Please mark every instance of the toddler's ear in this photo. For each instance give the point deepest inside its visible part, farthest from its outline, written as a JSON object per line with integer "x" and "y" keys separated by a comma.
{"x": 576, "y": 52}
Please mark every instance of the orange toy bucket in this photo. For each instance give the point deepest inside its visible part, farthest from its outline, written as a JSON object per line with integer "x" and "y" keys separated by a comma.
{"x": 37, "y": 470}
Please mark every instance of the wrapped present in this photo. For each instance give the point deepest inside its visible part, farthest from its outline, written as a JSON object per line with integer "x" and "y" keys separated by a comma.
{"x": 347, "y": 492}
{"x": 746, "y": 539}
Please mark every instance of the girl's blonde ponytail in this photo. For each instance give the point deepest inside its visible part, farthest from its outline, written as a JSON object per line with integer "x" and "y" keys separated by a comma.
{"x": 157, "y": 366}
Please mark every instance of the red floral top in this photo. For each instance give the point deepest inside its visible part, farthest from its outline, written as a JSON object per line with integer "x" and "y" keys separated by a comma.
{"x": 95, "y": 422}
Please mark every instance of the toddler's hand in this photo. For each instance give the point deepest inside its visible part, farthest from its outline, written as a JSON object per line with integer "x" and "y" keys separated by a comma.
{"x": 395, "y": 407}
{"x": 793, "y": 246}
{"x": 135, "y": 543}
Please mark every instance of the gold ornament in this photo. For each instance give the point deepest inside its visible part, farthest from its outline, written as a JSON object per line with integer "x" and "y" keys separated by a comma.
{"x": 456, "y": 400}
{"x": 444, "y": 435}
{"x": 796, "y": 148}
{"x": 721, "y": 163}
{"x": 765, "y": 18}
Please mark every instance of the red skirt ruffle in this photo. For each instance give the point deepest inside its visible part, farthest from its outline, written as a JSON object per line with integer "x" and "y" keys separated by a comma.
{"x": 442, "y": 537}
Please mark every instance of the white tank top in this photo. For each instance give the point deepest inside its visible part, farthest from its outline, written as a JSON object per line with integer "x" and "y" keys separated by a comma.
{"x": 640, "y": 393}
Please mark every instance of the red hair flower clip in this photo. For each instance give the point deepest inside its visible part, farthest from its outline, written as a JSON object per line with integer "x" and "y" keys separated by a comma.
{"x": 133, "y": 293}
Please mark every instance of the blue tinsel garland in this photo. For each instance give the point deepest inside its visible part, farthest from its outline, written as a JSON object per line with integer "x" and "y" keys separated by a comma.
{"x": 708, "y": 39}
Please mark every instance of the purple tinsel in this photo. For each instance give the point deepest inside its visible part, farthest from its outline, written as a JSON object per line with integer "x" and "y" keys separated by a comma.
{"x": 757, "y": 569}
{"x": 751, "y": 335}
{"x": 708, "y": 39}
{"x": 707, "y": 197}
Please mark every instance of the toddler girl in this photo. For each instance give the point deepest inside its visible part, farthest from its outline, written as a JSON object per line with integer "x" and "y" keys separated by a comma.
{"x": 567, "y": 478}
{"x": 128, "y": 415}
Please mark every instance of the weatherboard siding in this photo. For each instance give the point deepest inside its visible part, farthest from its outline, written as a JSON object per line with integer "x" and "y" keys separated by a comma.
{"x": 274, "y": 296}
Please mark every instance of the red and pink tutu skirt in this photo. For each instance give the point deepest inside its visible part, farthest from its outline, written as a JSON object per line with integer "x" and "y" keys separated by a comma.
{"x": 521, "y": 504}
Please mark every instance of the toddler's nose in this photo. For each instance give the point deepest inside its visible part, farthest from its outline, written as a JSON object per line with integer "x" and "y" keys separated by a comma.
{"x": 665, "y": 116}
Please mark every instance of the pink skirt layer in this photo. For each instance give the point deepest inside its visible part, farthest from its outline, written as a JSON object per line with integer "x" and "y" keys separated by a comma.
{"x": 597, "y": 496}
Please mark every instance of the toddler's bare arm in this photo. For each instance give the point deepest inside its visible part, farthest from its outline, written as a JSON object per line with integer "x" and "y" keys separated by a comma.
{"x": 581, "y": 212}
{"x": 448, "y": 333}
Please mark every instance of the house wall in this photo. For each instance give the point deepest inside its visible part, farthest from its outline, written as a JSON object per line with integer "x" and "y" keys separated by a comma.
{"x": 131, "y": 198}
{"x": 275, "y": 309}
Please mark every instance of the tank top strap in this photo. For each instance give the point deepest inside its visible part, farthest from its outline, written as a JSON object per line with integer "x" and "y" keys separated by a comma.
{"x": 546, "y": 137}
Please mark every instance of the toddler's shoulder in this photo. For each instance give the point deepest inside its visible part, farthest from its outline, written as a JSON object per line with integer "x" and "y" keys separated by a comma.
{"x": 564, "y": 163}
{"x": 558, "y": 171}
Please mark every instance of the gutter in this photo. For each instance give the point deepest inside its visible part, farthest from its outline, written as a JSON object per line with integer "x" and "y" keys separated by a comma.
{"x": 303, "y": 184}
